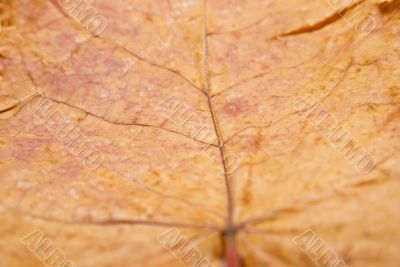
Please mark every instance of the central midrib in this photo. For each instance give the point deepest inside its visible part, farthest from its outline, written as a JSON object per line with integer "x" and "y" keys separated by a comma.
{"x": 229, "y": 233}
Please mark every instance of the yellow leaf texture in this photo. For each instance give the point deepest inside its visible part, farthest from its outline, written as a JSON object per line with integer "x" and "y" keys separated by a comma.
{"x": 237, "y": 133}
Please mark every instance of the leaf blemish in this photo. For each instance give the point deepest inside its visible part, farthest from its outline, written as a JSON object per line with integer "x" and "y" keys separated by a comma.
{"x": 235, "y": 107}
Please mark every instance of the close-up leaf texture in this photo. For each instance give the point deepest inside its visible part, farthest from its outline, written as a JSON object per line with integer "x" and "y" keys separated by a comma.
{"x": 262, "y": 168}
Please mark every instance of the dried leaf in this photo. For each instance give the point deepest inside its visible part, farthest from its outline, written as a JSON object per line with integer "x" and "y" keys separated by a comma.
{"x": 199, "y": 132}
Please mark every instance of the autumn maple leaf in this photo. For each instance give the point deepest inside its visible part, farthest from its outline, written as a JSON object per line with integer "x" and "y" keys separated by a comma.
{"x": 199, "y": 133}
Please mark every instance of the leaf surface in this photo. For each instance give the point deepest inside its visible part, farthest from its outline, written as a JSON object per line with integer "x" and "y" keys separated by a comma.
{"x": 240, "y": 68}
